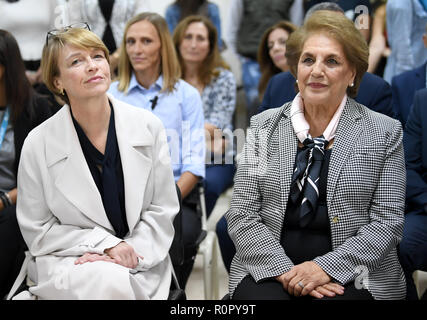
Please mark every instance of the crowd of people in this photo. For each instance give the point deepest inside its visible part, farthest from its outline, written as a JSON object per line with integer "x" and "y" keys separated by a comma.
{"x": 111, "y": 115}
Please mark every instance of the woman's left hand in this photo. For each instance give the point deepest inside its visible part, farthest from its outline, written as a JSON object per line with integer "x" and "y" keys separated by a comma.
{"x": 92, "y": 257}
{"x": 303, "y": 278}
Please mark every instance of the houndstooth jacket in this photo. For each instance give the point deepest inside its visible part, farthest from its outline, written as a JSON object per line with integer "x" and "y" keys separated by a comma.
{"x": 365, "y": 200}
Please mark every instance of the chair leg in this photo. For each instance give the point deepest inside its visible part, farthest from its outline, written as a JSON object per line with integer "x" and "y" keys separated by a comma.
{"x": 420, "y": 279}
{"x": 215, "y": 280}
{"x": 210, "y": 268}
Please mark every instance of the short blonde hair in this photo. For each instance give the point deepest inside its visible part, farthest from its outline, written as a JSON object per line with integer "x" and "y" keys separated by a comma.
{"x": 341, "y": 29}
{"x": 78, "y": 37}
{"x": 170, "y": 68}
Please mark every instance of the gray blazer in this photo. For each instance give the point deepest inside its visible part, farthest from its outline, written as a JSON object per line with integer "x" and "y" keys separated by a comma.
{"x": 365, "y": 200}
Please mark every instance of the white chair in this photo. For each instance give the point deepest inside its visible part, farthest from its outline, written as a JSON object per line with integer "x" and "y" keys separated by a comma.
{"x": 420, "y": 280}
{"x": 208, "y": 248}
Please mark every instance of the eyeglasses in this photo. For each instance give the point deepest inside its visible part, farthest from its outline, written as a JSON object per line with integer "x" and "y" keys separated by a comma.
{"x": 55, "y": 32}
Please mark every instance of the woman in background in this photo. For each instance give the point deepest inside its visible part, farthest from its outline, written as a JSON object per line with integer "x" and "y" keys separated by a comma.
{"x": 195, "y": 40}
{"x": 378, "y": 46}
{"x": 149, "y": 78}
{"x": 21, "y": 109}
{"x": 271, "y": 53}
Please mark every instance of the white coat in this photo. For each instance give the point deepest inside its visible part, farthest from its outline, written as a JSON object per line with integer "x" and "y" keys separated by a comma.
{"x": 61, "y": 215}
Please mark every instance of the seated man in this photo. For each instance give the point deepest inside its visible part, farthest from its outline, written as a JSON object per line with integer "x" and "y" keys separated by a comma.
{"x": 374, "y": 93}
{"x": 403, "y": 88}
{"x": 413, "y": 247}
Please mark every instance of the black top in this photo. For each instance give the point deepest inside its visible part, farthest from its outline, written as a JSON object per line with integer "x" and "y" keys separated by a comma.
{"x": 34, "y": 113}
{"x": 107, "y": 172}
{"x": 106, "y": 7}
{"x": 304, "y": 244}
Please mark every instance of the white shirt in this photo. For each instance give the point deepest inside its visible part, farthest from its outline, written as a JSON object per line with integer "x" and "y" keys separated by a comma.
{"x": 29, "y": 21}
{"x": 90, "y": 12}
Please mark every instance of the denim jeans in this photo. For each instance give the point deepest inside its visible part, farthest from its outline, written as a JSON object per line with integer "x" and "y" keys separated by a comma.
{"x": 250, "y": 78}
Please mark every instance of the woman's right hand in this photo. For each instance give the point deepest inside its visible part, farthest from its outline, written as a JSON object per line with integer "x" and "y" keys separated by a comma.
{"x": 124, "y": 255}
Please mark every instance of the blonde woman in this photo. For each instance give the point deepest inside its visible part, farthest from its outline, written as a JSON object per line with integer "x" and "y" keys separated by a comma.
{"x": 96, "y": 207}
{"x": 149, "y": 78}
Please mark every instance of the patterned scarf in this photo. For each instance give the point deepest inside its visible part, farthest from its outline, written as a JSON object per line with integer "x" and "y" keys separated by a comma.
{"x": 305, "y": 178}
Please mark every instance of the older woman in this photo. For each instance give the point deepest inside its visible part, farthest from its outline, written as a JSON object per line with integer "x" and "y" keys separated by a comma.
{"x": 271, "y": 52}
{"x": 195, "y": 40}
{"x": 149, "y": 78}
{"x": 96, "y": 206}
{"x": 317, "y": 209}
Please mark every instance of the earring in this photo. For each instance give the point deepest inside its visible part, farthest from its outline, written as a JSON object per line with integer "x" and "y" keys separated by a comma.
{"x": 351, "y": 85}
{"x": 61, "y": 91}
{"x": 297, "y": 81}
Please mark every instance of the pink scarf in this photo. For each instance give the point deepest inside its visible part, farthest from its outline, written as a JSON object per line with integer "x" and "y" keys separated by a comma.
{"x": 301, "y": 126}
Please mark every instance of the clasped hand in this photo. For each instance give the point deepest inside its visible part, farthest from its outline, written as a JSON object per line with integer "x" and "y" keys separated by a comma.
{"x": 122, "y": 254}
{"x": 309, "y": 279}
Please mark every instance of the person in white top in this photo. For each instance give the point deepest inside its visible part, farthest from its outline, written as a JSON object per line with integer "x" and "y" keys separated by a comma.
{"x": 29, "y": 21}
{"x": 96, "y": 209}
{"x": 107, "y": 19}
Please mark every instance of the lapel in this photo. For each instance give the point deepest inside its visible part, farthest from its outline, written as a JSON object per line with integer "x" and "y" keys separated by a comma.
{"x": 135, "y": 142}
{"x": 288, "y": 143}
{"x": 420, "y": 74}
{"x": 74, "y": 179}
{"x": 348, "y": 130}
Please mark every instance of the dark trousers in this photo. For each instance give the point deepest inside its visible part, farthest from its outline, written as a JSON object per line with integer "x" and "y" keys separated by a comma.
{"x": 191, "y": 231}
{"x": 413, "y": 249}
{"x": 12, "y": 249}
{"x": 226, "y": 245}
{"x": 271, "y": 289}
{"x": 218, "y": 178}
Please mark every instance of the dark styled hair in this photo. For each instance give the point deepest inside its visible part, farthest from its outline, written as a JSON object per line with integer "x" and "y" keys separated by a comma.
{"x": 19, "y": 92}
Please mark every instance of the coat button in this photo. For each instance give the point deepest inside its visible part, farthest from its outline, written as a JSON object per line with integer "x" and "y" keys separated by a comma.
{"x": 335, "y": 219}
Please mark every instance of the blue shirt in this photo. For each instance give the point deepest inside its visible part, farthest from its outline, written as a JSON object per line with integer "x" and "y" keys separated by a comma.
{"x": 181, "y": 113}
{"x": 173, "y": 16}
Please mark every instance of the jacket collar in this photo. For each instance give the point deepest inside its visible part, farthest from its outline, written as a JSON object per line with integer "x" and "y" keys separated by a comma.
{"x": 157, "y": 85}
{"x": 348, "y": 130}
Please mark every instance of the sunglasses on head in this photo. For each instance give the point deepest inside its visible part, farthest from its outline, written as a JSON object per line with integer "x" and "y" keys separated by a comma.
{"x": 55, "y": 32}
